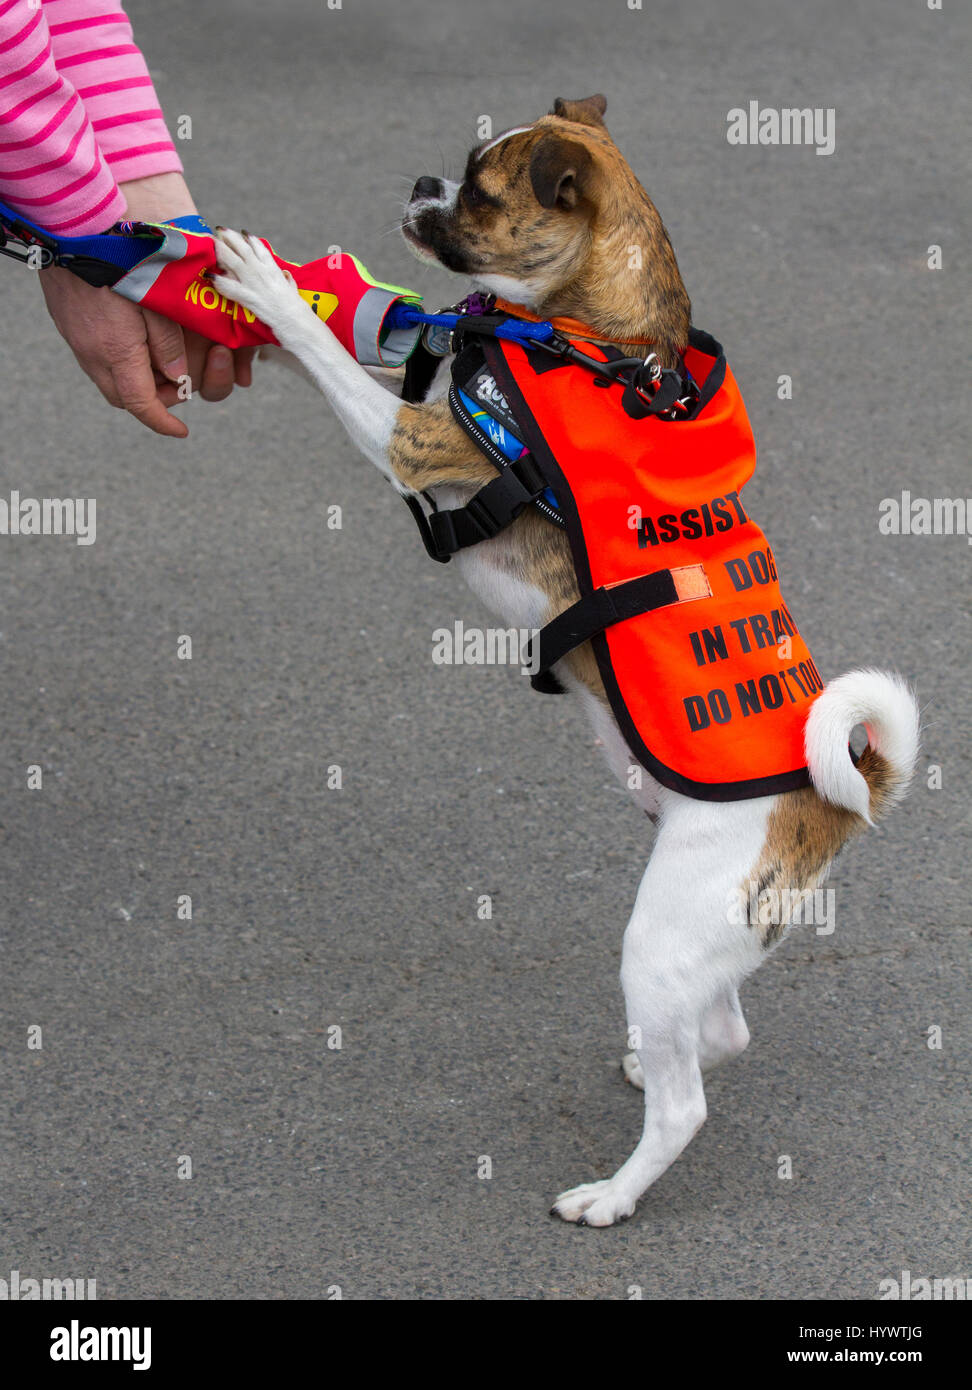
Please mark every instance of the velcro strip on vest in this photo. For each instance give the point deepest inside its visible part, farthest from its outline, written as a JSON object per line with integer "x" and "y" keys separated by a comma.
{"x": 613, "y": 603}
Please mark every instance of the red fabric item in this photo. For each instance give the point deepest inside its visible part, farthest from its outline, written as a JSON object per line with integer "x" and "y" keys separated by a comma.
{"x": 173, "y": 280}
{"x": 712, "y": 692}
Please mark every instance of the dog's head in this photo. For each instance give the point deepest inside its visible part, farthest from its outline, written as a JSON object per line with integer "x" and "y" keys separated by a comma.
{"x": 551, "y": 216}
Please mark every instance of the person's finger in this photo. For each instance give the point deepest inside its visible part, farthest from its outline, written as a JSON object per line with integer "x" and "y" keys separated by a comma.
{"x": 196, "y": 349}
{"x": 244, "y": 366}
{"x": 166, "y": 345}
{"x": 135, "y": 388}
{"x": 218, "y": 374}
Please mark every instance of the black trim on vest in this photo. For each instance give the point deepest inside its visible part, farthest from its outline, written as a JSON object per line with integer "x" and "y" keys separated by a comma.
{"x": 534, "y": 440}
{"x": 704, "y": 342}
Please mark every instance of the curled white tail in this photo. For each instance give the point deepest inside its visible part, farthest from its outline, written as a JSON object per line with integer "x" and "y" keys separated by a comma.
{"x": 887, "y": 708}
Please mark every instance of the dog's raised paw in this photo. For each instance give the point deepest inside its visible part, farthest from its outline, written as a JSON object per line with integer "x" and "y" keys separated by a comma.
{"x": 594, "y": 1204}
{"x": 253, "y": 279}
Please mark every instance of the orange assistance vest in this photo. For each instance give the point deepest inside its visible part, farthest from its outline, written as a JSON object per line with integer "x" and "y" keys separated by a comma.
{"x": 702, "y": 662}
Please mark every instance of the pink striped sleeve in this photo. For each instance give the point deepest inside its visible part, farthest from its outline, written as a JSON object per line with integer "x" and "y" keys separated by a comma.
{"x": 95, "y": 50}
{"x": 50, "y": 166}
{"x": 66, "y": 68}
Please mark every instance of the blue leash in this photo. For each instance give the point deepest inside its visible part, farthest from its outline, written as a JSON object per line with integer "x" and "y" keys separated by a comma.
{"x": 114, "y": 253}
{"x": 403, "y": 315}
{"x": 121, "y": 252}
{"x": 124, "y": 251}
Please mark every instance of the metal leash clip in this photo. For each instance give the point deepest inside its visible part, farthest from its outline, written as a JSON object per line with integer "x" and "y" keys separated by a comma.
{"x": 684, "y": 403}
{"x": 28, "y": 249}
{"x": 651, "y": 362}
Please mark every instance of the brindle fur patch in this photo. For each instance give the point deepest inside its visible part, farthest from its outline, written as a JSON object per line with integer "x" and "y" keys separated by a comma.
{"x": 805, "y": 833}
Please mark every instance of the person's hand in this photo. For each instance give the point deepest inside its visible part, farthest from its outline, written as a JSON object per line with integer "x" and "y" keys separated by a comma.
{"x": 139, "y": 360}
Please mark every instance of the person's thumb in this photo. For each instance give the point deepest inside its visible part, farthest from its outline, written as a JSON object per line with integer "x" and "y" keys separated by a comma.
{"x": 166, "y": 345}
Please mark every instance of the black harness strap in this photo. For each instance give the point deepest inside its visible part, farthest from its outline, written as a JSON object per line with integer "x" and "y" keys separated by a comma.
{"x": 493, "y": 508}
{"x": 518, "y": 484}
{"x": 420, "y": 369}
{"x": 592, "y": 614}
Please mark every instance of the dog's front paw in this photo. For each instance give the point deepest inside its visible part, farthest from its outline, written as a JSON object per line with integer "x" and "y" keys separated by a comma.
{"x": 254, "y": 280}
{"x": 594, "y": 1204}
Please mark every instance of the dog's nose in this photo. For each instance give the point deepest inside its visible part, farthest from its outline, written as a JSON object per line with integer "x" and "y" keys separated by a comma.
{"x": 427, "y": 187}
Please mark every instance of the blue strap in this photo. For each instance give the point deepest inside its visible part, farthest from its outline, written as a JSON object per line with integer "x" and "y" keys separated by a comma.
{"x": 124, "y": 248}
{"x": 190, "y": 222}
{"x": 123, "y": 251}
{"x": 404, "y": 315}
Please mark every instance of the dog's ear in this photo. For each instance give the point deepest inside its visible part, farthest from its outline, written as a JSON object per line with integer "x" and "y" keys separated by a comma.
{"x": 560, "y": 171}
{"x": 587, "y": 111}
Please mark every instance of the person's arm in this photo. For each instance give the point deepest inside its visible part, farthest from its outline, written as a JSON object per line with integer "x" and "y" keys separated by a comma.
{"x": 95, "y": 50}
{"x": 82, "y": 144}
{"x": 51, "y": 167}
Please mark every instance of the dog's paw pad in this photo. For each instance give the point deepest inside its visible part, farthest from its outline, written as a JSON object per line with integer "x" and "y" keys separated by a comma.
{"x": 594, "y": 1204}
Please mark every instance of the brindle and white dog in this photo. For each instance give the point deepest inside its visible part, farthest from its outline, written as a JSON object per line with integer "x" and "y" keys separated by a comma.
{"x": 544, "y": 217}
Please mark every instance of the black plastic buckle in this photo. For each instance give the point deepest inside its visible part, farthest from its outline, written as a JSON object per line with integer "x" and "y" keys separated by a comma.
{"x": 517, "y": 486}
{"x": 482, "y": 518}
{"x": 527, "y": 473}
{"x": 442, "y": 527}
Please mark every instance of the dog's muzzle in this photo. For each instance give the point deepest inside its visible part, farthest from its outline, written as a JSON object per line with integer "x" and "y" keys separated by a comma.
{"x": 426, "y": 224}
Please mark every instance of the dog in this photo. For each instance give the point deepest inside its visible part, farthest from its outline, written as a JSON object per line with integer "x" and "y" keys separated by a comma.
{"x": 545, "y": 216}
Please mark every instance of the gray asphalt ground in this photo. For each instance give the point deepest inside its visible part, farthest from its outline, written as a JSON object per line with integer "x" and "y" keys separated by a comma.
{"x": 315, "y": 1167}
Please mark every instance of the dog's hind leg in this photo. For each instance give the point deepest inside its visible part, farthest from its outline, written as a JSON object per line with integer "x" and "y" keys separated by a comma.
{"x": 685, "y": 953}
{"x": 723, "y": 1035}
